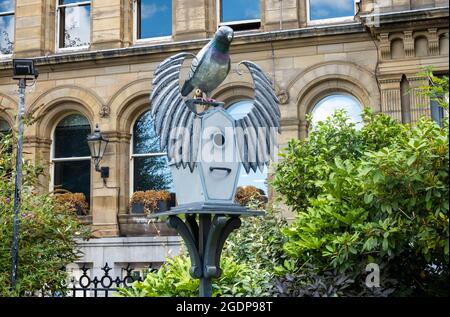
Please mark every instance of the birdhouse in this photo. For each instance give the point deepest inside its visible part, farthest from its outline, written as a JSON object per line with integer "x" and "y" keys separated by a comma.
{"x": 214, "y": 176}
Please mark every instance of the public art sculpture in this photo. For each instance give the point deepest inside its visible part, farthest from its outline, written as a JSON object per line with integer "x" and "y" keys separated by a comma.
{"x": 206, "y": 148}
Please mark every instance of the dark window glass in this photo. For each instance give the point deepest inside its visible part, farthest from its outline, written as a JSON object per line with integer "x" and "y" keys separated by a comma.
{"x": 329, "y": 9}
{"x": 240, "y": 10}
{"x": 437, "y": 112}
{"x": 4, "y": 126}
{"x": 150, "y": 172}
{"x": 7, "y": 8}
{"x": 70, "y": 137}
{"x": 154, "y": 18}
{"x": 145, "y": 140}
{"x": 74, "y": 24}
{"x": 74, "y": 177}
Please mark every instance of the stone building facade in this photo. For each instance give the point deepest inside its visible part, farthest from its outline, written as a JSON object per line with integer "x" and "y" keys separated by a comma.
{"x": 96, "y": 60}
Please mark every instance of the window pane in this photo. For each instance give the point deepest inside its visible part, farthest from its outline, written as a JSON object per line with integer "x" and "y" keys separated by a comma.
{"x": 70, "y": 137}
{"x": 151, "y": 173}
{"x": 6, "y": 34}
{"x": 240, "y": 109}
{"x": 4, "y": 126}
{"x": 74, "y": 177}
{"x": 437, "y": 112}
{"x": 327, "y": 106}
{"x": 71, "y": 1}
{"x": 76, "y": 22}
{"x": 327, "y": 9}
{"x": 238, "y": 10}
{"x": 7, "y": 5}
{"x": 145, "y": 140}
{"x": 155, "y": 18}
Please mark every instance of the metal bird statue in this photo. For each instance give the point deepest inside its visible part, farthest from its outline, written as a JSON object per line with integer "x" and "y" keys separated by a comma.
{"x": 211, "y": 65}
{"x": 179, "y": 126}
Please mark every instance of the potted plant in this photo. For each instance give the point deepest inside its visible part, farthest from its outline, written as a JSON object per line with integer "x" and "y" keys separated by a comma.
{"x": 76, "y": 201}
{"x": 137, "y": 202}
{"x": 150, "y": 201}
{"x": 250, "y": 196}
{"x": 157, "y": 200}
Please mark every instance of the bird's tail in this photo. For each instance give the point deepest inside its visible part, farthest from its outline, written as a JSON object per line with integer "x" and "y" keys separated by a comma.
{"x": 187, "y": 88}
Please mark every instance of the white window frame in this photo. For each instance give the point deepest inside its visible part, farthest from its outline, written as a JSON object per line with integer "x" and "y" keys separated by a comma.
{"x": 133, "y": 156}
{"x": 58, "y": 26}
{"x": 7, "y": 13}
{"x": 167, "y": 38}
{"x": 231, "y": 23}
{"x": 54, "y": 160}
{"x": 330, "y": 20}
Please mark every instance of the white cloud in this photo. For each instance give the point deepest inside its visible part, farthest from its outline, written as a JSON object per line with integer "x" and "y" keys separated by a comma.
{"x": 78, "y": 24}
{"x": 150, "y": 10}
{"x": 7, "y": 5}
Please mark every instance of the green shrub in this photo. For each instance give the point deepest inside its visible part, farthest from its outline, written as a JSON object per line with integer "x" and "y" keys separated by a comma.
{"x": 46, "y": 233}
{"x": 173, "y": 280}
{"x": 377, "y": 195}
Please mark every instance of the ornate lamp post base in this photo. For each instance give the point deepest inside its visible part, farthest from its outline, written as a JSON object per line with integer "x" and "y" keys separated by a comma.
{"x": 206, "y": 237}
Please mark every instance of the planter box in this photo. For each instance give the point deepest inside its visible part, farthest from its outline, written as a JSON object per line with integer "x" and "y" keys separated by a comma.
{"x": 138, "y": 208}
{"x": 139, "y": 225}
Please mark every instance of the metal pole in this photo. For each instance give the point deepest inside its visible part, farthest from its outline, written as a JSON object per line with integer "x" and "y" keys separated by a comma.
{"x": 204, "y": 227}
{"x": 17, "y": 197}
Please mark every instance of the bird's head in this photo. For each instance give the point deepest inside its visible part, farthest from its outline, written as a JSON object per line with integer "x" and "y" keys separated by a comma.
{"x": 224, "y": 35}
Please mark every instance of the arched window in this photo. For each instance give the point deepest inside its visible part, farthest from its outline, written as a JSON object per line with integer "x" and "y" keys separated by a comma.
{"x": 328, "y": 105}
{"x": 258, "y": 179}
{"x": 397, "y": 49}
{"x": 421, "y": 46}
{"x": 4, "y": 127}
{"x": 149, "y": 168}
{"x": 71, "y": 156}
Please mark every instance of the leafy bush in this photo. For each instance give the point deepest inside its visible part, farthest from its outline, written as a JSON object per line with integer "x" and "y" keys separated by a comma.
{"x": 258, "y": 242}
{"x": 47, "y": 229}
{"x": 375, "y": 195}
{"x": 173, "y": 280}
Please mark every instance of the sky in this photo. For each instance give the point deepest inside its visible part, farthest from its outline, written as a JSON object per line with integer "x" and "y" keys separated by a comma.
{"x": 78, "y": 25}
{"x": 156, "y": 18}
{"x": 236, "y": 10}
{"x": 325, "y": 9}
{"x": 328, "y": 105}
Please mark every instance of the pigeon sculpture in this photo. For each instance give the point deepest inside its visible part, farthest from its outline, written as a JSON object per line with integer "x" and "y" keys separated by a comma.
{"x": 179, "y": 127}
{"x": 211, "y": 65}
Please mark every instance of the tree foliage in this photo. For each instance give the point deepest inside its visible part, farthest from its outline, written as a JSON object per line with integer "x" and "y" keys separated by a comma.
{"x": 46, "y": 232}
{"x": 375, "y": 195}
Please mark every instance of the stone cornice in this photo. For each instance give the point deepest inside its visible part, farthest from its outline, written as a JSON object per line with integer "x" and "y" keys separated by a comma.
{"x": 152, "y": 53}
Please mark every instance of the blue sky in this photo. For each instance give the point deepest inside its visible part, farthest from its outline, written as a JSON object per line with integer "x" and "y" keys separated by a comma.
{"x": 325, "y": 9}
{"x": 328, "y": 105}
{"x": 236, "y": 10}
{"x": 156, "y": 18}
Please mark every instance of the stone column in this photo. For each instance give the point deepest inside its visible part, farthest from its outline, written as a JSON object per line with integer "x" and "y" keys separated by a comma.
{"x": 193, "y": 19}
{"x": 111, "y": 23}
{"x": 34, "y": 30}
{"x": 278, "y": 14}
{"x": 105, "y": 197}
{"x": 390, "y": 97}
{"x": 420, "y": 105}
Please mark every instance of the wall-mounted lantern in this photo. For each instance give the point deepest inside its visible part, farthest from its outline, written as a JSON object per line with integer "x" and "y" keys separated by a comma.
{"x": 97, "y": 144}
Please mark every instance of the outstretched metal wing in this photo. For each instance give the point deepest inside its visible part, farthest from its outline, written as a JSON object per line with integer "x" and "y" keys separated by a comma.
{"x": 257, "y": 132}
{"x": 173, "y": 120}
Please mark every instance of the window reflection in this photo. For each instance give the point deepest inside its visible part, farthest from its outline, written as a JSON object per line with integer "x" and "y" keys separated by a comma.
{"x": 258, "y": 179}
{"x": 240, "y": 15}
{"x": 71, "y": 159}
{"x": 150, "y": 166}
{"x": 74, "y": 23}
{"x": 154, "y": 18}
{"x": 331, "y": 9}
{"x": 327, "y": 106}
{"x": 7, "y": 8}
